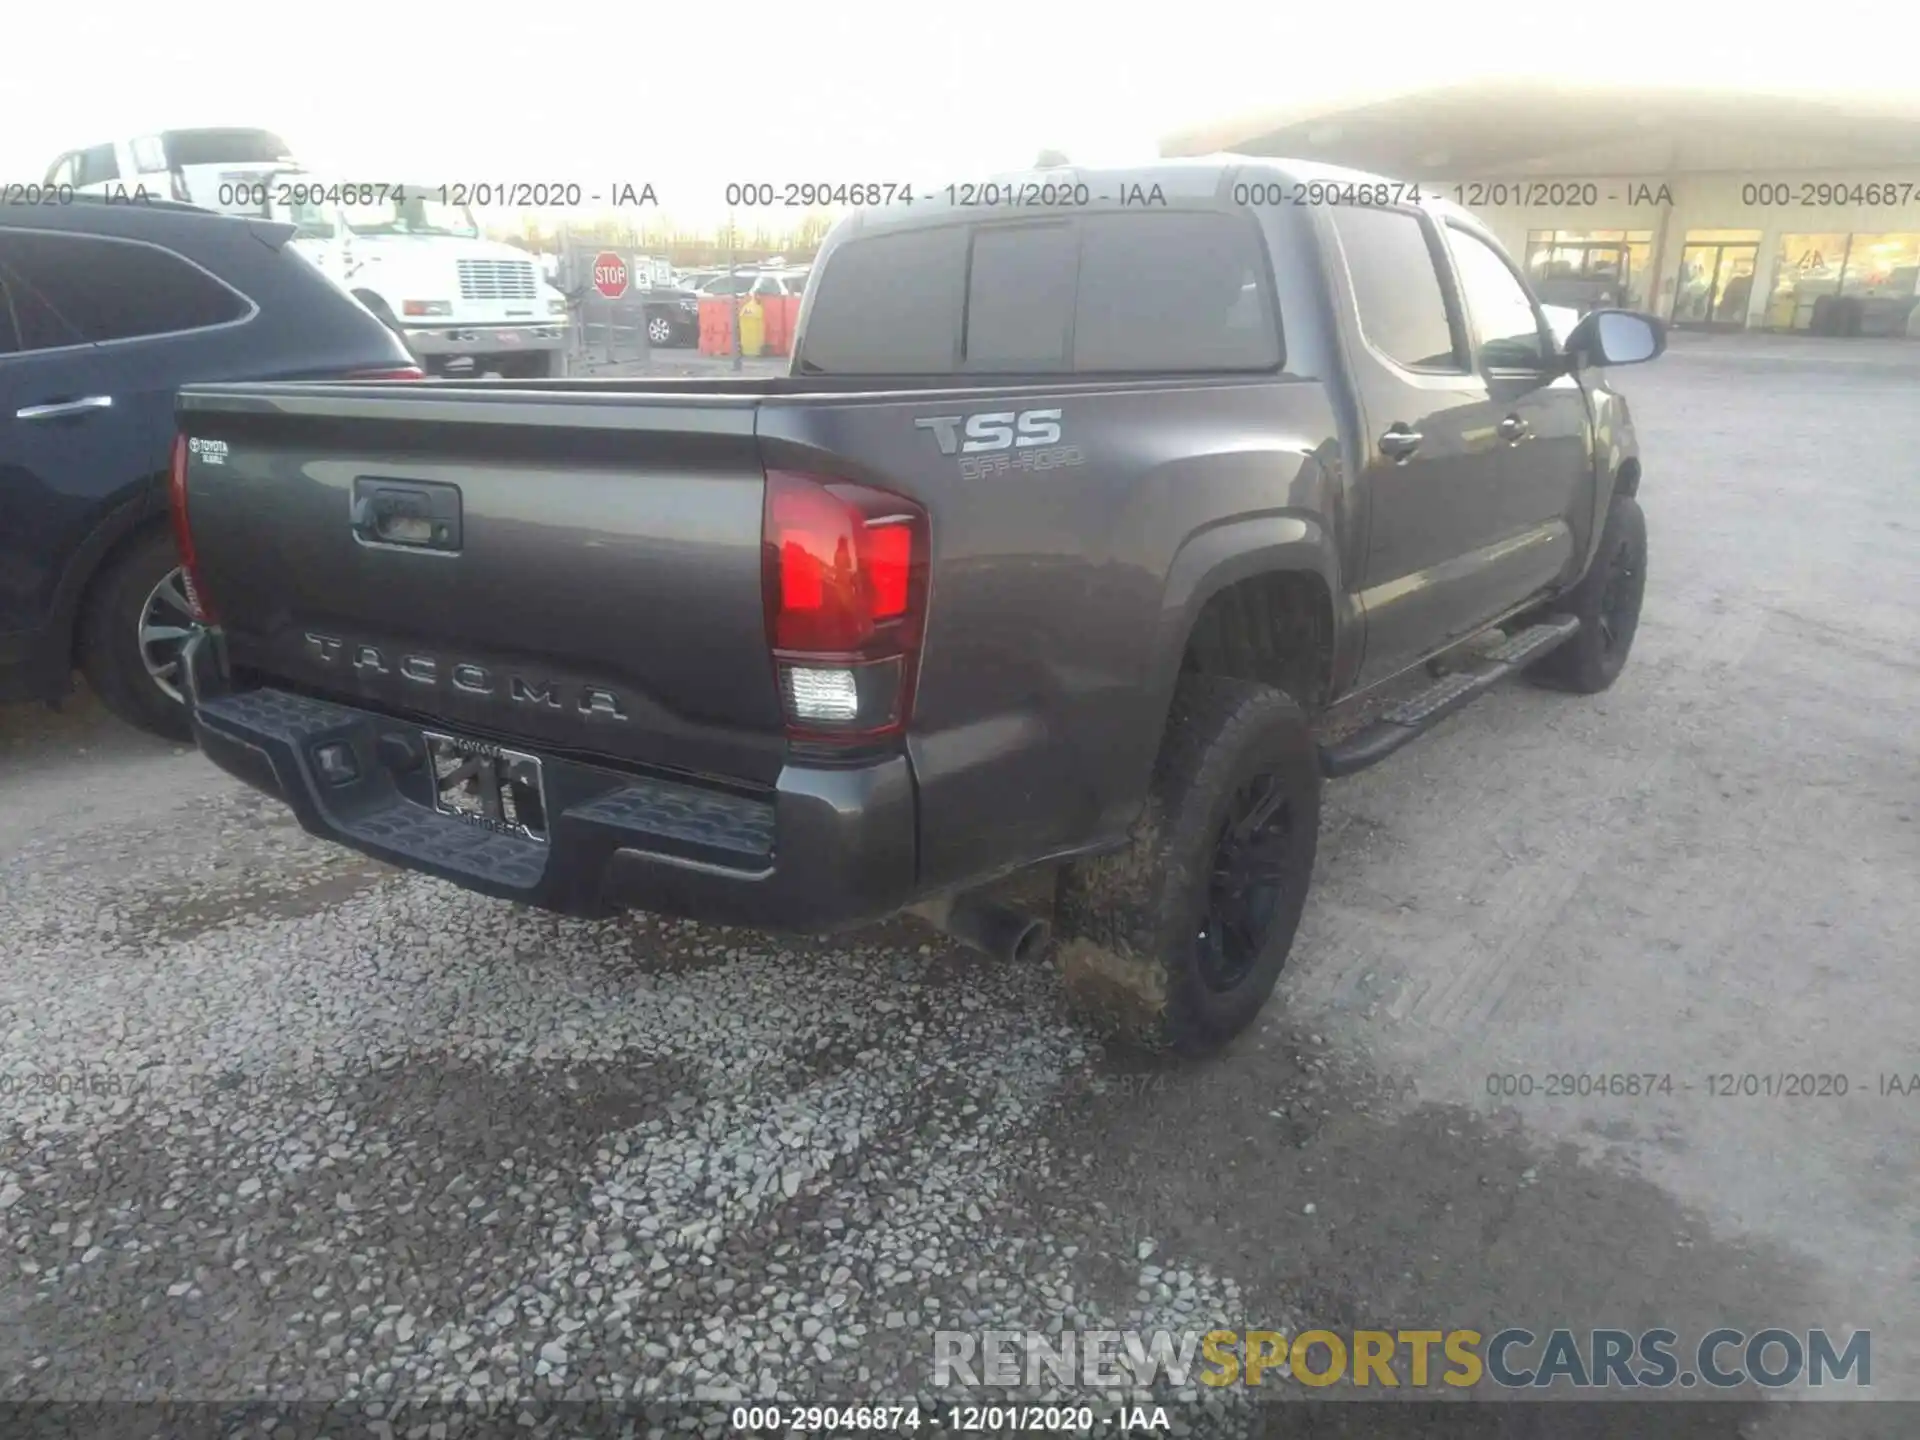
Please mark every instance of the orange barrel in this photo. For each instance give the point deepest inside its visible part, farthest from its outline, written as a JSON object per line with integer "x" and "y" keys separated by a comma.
{"x": 787, "y": 309}
{"x": 779, "y": 331}
{"x": 716, "y": 325}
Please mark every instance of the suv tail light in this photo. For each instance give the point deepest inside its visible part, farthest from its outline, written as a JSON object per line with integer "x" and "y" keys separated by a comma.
{"x": 845, "y": 587}
{"x": 403, "y": 372}
{"x": 183, "y": 536}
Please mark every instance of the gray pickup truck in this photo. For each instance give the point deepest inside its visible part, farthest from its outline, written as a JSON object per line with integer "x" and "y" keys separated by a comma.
{"x": 1097, "y": 521}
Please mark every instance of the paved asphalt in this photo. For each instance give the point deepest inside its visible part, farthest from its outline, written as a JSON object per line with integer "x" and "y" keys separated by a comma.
{"x": 276, "y": 1121}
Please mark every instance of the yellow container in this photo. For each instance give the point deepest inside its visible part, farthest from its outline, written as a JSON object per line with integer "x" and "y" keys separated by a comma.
{"x": 753, "y": 328}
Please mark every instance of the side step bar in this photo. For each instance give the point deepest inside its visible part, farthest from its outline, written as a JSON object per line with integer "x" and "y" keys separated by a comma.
{"x": 1418, "y": 714}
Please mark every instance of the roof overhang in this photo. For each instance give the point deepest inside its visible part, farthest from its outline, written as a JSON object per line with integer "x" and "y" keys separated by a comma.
{"x": 1509, "y": 128}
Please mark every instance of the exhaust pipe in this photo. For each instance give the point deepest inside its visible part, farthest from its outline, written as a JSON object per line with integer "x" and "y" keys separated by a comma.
{"x": 998, "y": 930}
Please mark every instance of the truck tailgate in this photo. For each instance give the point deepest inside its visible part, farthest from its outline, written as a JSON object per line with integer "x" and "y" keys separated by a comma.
{"x": 581, "y": 572}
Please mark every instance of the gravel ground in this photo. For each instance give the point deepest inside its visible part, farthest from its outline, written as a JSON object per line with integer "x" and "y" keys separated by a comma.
{"x": 280, "y": 1122}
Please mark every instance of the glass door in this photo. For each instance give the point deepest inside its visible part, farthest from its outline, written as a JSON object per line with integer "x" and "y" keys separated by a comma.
{"x": 1715, "y": 284}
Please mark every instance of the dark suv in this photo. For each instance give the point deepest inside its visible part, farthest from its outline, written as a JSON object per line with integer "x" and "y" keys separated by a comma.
{"x": 105, "y": 310}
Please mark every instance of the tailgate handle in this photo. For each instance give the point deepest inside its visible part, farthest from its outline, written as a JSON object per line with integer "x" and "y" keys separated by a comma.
{"x": 411, "y": 514}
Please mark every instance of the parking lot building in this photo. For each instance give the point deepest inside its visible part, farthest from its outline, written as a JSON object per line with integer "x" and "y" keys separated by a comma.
{"x": 1713, "y": 210}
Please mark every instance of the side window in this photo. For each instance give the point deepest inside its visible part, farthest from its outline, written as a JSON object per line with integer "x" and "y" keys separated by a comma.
{"x": 767, "y": 285}
{"x": 98, "y": 164}
{"x": 1019, "y": 297}
{"x": 1502, "y": 312}
{"x": 1396, "y": 287}
{"x": 150, "y": 154}
{"x": 105, "y": 289}
{"x": 312, "y": 222}
{"x": 63, "y": 170}
{"x": 1173, "y": 291}
{"x": 27, "y": 320}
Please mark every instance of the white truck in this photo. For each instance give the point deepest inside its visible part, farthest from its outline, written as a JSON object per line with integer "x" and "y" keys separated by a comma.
{"x": 463, "y": 304}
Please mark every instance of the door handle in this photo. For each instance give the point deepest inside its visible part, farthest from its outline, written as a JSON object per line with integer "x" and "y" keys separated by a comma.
{"x": 422, "y": 514}
{"x": 1512, "y": 428}
{"x": 1399, "y": 444}
{"x": 64, "y": 407}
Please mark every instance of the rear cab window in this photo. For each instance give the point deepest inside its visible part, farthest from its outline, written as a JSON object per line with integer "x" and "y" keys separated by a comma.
{"x": 225, "y": 147}
{"x": 1095, "y": 293}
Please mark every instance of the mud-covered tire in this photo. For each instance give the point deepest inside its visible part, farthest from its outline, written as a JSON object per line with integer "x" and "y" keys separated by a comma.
{"x": 1144, "y": 949}
{"x": 1607, "y": 601}
{"x": 111, "y": 621}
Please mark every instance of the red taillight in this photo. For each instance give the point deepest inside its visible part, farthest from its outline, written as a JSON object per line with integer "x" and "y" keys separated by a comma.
{"x": 845, "y": 588}
{"x": 404, "y": 372}
{"x": 183, "y": 536}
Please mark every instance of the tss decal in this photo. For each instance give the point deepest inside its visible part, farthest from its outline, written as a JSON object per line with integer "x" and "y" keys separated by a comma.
{"x": 1002, "y": 441}
{"x": 997, "y": 430}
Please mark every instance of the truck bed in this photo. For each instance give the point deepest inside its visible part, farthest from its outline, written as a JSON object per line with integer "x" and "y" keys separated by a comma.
{"x": 601, "y": 600}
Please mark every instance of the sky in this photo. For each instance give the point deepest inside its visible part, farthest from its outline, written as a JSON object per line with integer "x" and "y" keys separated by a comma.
{"x": 692, "y": 97}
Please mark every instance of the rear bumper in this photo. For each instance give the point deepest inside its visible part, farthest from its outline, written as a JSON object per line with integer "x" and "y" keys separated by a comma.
{"x": 447, "y": 339}
{"x": 825, "y": 848}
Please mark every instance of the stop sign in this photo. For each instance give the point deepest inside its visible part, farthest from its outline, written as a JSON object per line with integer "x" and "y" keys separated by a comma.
{"x": 609, "y": 274}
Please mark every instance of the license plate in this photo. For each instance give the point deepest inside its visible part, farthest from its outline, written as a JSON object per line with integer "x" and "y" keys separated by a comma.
{"x": 488, "y": 785}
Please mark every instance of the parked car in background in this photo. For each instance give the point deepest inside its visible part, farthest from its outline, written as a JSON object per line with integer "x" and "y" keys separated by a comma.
{"x": 787, "y": 282}
{"x": 758, "y": 282}
{"x": 721, "y": 282}
{"x": 185, "y": 165}
{"x": 673, "y": 316}
{"x": 105, "y": 309}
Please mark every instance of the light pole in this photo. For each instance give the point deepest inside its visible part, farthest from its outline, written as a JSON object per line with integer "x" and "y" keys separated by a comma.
{"x": 733, "y": 286}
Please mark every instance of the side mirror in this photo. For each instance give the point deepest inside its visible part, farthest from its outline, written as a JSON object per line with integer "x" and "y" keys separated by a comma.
{"x": 1616, "y": 337}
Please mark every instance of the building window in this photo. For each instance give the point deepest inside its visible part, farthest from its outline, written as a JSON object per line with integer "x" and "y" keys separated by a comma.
{"x": 1590, "y": 268}
{"x": 1834, "y": 284}
{"x": 1715, "y": 284}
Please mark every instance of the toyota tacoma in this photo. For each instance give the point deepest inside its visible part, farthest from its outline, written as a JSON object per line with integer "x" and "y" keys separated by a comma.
{"x": 1080, "y": 544}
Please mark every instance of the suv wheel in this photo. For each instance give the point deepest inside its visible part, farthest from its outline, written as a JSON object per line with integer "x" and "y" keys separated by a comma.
{"x": 1178, "y": 940}
{"x": 659, "y": 330}
{"x": 134, "y": 626}
{"x": 1607, "y": 601}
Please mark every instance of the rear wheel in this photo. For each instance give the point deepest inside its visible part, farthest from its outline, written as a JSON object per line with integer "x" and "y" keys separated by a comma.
{"x": 132, "y": 631}
{"x": 1178, "y": 941}
{"x": 1607, "y": 603}
{"x": 659, "y": 330}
